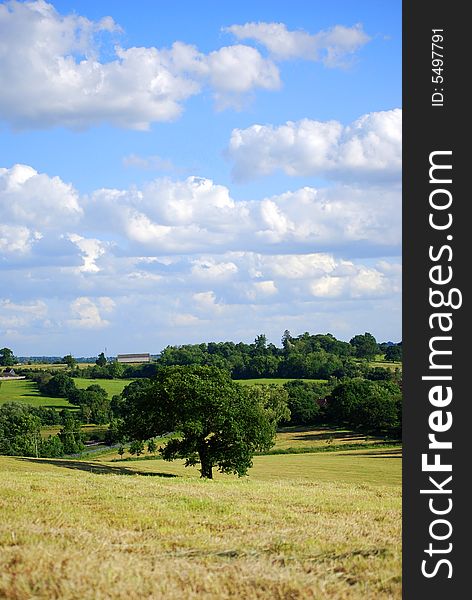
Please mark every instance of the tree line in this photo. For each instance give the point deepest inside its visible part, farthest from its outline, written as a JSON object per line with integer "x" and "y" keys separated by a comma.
{"x": 307, "y": 356}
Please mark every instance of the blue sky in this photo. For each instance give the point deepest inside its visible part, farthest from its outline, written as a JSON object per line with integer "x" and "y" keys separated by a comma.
{"x": 198, "y": 171}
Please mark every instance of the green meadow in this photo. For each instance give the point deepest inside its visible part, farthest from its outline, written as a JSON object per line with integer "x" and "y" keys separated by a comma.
{"x": 112, "y": 386}
{"x": 274, "y": 380}
{"x": 26, "y": 392}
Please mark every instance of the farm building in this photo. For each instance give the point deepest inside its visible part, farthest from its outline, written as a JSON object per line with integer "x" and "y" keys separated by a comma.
{"x": 133, "y": 358}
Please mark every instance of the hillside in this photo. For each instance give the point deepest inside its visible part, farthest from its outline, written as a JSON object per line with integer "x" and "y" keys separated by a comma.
{"x": 99, "y": 529}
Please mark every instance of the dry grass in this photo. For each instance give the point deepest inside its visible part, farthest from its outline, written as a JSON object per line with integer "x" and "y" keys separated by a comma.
{"x": 70, "y": 534}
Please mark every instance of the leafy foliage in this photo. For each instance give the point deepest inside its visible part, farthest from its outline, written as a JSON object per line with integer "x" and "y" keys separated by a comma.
{"x": 304, "y": 401}
{"x": 372, "y": 405}
{"x": 93, "y": 402}
{"x": 365, "y": 346}
{"x": 7, "y": 359}
{"x": 19, "y": 430}
{"x": 220, "y": 422}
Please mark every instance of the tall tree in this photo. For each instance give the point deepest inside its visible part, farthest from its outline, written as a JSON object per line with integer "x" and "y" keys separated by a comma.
{"x": 219, "y": 422}
{"x": 6, "y": 358}
{"x": 101, "y": 360}
{"x": 365, "y": 345}
{"x": 69, "y": 360}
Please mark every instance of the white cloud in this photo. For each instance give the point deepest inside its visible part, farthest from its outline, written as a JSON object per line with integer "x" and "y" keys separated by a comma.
{"x": 189, "y": 216}
{"x": 184, "y": 254}
{"x": 333, "y": 47}
{"x": 87, "y": 312}
{"x": 236, "y": 70}
{"x": 213, "y": 269}
{"x": 262, "y": 289}
{"x": 368, "y": 148}
{"x": 184, "y": 320}
{"x": 21, "y": 314}
{"x": 17, "y": 239}
{"x": 196, "y": 214}
{"x": 363, "y": 283}
{"x": 52, "y": 73}
{"x": 91, "y": 250}
{"x": 207, "y": 302}
{"x": 36, "y": 200}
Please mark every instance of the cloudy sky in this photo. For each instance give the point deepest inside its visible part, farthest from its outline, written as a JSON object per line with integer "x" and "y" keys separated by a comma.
{"x": 196, "y": 172}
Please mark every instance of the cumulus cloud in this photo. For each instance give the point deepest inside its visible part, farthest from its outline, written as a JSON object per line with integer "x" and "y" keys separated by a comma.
{"x": 16, "y": 239}
{"x": 184, "y": 253}
{"x": 91, "y": 250}
{"x": 52, "y": 73}
{"x": 20, "y": 315}
{"x": 36, "y": 200}
{"x": 211, "y": 268}
{"x": 334, "y": 46}
{"x": 166, "y": 217}
{"x": 367, "y": 149}
{"x": 192, "y": 215}
{"x": 87, "y": 313}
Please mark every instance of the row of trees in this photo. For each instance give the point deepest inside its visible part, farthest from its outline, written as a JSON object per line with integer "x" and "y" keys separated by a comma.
{"x": 93, "y": 402}
{"x": 306, "y": 356}
{"x": 217, "y": 422}
{"x": 221, "y": 423}
{"x": 20, "y": 433}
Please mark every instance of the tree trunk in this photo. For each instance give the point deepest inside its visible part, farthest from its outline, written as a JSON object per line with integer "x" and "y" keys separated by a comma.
{"x": 207, "y": 467}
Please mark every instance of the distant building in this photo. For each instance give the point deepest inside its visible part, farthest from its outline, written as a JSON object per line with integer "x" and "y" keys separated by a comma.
{"x": 133, "y": 358}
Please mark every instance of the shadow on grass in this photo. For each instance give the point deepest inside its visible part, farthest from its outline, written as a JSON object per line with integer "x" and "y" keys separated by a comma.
{"x": 387, "y": 453}
{"x": 93, "y": 467}
{"x": 333, "y": 435}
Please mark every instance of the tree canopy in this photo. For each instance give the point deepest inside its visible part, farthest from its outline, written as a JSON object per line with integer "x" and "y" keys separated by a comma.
{"x": 365, "y": 345}
{"x": 218, "y": 422}
{"x": 7, "y": 359}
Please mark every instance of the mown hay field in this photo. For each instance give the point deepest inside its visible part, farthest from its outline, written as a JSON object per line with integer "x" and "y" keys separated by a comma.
{"x": 316, "y": 526}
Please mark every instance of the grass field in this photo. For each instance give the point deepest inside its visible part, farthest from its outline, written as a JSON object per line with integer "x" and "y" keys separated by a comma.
{"x": 22, "y": 390}
{"x": 321, "y": 437}
{"x": 112, "y": 386}
{"x": 310, "y": 526}
{"x": 275, "y": 380}
{"x": 48, "y": 366}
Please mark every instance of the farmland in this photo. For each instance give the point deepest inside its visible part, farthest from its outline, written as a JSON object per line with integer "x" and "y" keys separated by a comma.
{"x": 111, "y": 386}
{"x": 274, "y": 381}
{"x": 26, "y": 392}
{"x": 318, "y": 516}
{"x": 292, "y": 533}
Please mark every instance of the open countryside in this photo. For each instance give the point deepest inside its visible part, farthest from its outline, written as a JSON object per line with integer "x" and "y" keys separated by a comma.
{"x": 316, "y": 514}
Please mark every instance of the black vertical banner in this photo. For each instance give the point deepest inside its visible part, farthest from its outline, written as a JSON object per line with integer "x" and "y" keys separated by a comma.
{"x": 437, "y": 242}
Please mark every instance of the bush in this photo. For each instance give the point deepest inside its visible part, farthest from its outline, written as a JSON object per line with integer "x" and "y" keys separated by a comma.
{"x": 59, "y": 385}
{"x": 303, "y": 397}
{"x": 52, "y": 447}
{"x": 371, "y": 405}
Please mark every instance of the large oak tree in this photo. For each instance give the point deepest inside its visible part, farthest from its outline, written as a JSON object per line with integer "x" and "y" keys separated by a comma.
{"x": 218, "y": 422}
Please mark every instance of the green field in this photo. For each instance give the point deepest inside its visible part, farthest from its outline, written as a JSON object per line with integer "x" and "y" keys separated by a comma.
{"x": 112, "y": 386}
{"x": 274, "y": 380}
{"x": 22, "y": 390}
{"x": 315, "y": 526}
{"x": 322, "y": 437}
{"x": 25, "y": 391}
